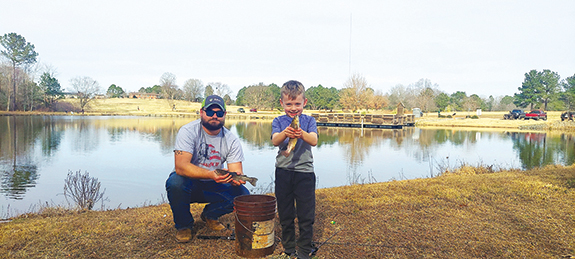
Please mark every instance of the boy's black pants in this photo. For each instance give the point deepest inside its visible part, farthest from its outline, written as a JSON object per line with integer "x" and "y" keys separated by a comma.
{"x": 295, "y": 194}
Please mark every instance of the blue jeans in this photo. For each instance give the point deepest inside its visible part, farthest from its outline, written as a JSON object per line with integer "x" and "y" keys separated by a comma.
{"x": 184, "y": 190}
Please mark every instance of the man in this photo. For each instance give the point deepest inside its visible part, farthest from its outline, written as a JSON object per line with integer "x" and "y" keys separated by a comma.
{"x": 201, "y": 147}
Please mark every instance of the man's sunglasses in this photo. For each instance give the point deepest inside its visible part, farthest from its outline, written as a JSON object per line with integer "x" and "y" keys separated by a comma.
{"x": 211, "y": 113}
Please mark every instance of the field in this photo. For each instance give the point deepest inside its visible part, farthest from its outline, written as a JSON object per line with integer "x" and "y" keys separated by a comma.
{"x": 468, "y": 213}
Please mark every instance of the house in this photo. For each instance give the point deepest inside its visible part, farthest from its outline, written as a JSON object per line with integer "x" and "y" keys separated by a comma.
{"x": 138, "y": 95}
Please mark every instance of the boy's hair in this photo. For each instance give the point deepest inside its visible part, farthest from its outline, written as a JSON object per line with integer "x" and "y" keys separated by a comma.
{"x": 292, "y": 89}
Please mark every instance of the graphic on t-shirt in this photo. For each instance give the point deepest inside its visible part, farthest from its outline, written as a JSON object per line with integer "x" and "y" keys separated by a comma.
{"x": 209, "y": 157}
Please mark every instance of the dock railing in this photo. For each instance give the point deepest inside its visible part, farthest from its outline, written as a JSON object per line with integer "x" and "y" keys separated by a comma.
{"x": 364, "y": 119}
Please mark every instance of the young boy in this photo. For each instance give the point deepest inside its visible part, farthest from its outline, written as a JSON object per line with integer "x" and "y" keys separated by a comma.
{"x": 295, "y": 177}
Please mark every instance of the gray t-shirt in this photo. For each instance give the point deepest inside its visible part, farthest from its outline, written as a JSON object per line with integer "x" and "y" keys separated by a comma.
{"x": 209, "y": 152}
{"x": 301, "y": 157}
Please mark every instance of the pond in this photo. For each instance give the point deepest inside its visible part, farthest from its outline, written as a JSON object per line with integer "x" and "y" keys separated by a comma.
{"x": 132, "y": 156}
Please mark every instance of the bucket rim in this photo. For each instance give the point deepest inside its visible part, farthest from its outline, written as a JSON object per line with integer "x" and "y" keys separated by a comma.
{"x": 243, "y": 199}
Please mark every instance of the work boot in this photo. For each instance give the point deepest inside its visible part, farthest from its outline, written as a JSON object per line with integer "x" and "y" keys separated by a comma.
{"x": 212, "y": 224}
{"x": 184, "y": 235}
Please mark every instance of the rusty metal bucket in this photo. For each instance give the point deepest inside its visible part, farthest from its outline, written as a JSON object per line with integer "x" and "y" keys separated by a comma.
{"x": 254, "y": 226}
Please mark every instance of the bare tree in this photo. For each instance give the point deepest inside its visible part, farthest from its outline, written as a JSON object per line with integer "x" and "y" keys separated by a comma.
{"x": 86, "y": 89}
{"x": 220, "y": 89}
{"x": 168, "y": 85}
{"x": 355, "y": 93}
{"x": 400, "y": 93}
{"x": 376, "y": 100}
{"x": 193, "y": 89}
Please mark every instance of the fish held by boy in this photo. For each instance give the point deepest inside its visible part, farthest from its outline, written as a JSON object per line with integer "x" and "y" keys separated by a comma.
{"x": 292, "y": 141}
{"x": 238, "y": 177}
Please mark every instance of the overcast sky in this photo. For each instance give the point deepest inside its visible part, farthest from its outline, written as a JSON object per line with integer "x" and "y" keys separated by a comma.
{"x": 480, "y": 47}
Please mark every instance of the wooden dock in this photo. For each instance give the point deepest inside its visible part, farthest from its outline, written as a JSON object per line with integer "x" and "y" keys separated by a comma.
{"x": 353, "y": 120}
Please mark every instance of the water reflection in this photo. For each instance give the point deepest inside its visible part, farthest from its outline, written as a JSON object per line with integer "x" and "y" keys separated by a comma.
{"x": 256, "y": 133}
{"x": 28, "y": 144}
{"x": 18, "y": 171}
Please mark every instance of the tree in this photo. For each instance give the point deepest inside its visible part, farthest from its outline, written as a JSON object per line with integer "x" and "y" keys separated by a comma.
{"x": 19, "y": 52}
{"x": 376, "y": 100}
{"x": 320, "y": 97}
{"x": 169, "y": 87}
{"x": 193, "y": 89}
{"x": 208, "y": 91}
{"x": 442, "y": 100}
{"x": 473, "y": 102}
{"x": 276, "y": 93}
{"x": 227, "y": 99}
{"x": 115, "y": 91}
{"x": 549, "y": 86}
{"x": 259, "y": 96}
{"x": 240, "y": 96}
{"x": 506, "y": 103}
{"x": 529, "y": 90}
{"x": 220, "y": 89}
{"x": 354, "y": 93}
{"x": 424, "y": 94}
{"x": 51, "y": 88}
{"x": 86, "y": 88}
{"x": 489, "y": 103}
{"x": 568, "y": 85}
{"x": 457, "y": 100}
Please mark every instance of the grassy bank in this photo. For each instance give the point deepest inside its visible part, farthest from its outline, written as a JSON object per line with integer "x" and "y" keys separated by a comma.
{"x": 469, "y": 213}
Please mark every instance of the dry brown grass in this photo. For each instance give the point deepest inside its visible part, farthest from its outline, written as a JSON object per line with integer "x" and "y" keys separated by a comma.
{"x": 468, "y": 213}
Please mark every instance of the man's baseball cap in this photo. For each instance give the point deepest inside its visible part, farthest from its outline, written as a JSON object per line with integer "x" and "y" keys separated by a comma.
{"x": 214, "y": 100}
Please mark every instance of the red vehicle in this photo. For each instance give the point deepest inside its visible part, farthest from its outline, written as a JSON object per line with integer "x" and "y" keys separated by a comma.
{"x": 536, "y": 115}
{"x": 253, "y": 110}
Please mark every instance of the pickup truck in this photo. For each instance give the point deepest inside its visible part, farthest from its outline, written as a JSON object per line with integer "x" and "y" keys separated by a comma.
{"x": 536, "y": 115}
{"x": 516, "y": 114}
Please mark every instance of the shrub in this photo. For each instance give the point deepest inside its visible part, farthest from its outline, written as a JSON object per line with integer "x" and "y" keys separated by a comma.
{"x": 82, "y": 189}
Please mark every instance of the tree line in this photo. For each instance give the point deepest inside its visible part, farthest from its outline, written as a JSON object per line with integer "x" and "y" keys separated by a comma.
{"x": 22, "y": 89}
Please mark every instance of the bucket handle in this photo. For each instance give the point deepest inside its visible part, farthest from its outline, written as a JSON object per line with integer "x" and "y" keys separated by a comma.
{"x": 246, "y": 228}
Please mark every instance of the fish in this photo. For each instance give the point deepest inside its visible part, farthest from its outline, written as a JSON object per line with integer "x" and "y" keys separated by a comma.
{"x": 238, "y": 177}
{"x": 292, "y": 141}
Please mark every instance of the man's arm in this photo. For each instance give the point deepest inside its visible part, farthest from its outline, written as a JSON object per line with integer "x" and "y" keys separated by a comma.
{"x": 185, "y": 168}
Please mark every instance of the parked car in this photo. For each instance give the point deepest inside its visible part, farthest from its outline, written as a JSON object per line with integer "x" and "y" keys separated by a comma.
{"x": 515, "y": 114}
{"x": 536, "y": 115}
{"x": 241, "y": 110}
{"x": 253, "y": 110}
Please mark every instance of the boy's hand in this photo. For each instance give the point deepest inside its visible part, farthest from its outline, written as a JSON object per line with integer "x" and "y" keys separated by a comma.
{"x": 293, "y": 133}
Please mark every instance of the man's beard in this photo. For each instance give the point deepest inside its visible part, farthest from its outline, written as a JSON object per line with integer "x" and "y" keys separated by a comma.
{"x": 209, "y": 126}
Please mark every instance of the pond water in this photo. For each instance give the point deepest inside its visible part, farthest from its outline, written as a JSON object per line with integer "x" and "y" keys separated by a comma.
{"x": 132, "y": 156}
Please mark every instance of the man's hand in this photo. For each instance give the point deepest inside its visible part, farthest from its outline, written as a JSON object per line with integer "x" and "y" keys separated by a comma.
{"x": 222, "y": 178}
{"x": 227, "y": 178}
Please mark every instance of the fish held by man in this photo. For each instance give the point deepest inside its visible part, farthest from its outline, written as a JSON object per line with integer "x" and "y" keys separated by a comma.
{"x": 238, "y": 177}
{"x": 292, "y": 141}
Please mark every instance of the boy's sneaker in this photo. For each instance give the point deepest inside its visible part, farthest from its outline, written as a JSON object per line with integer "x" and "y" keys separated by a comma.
{"x": 184, "y": 235}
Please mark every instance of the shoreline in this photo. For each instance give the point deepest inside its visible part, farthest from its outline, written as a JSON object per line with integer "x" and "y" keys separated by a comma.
{"x": 428, "y": 121}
